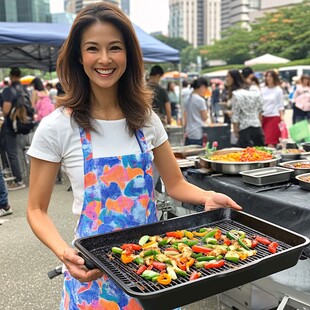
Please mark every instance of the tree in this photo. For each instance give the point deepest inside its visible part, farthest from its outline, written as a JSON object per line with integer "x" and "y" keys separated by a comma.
{"x": 177, "y": 43}
{"x": 188, "y": 57}
{"x": 233, "y": 48}
{"x": 285, "y": 33}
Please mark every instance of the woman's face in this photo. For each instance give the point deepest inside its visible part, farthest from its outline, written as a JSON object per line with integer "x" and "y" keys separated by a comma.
{"x": 269, "y": 79}
{"x": 229, "y": 80}
{"x": 103, "y": 55}
{"x": 305, "y": 82}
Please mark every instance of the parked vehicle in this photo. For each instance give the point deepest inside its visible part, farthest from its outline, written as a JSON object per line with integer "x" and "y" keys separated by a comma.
{"x": 288, "y": 73}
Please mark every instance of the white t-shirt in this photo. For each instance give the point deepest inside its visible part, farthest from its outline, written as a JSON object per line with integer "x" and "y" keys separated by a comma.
{"x": 272, "y": 101}
{"x": 57, "y": 139}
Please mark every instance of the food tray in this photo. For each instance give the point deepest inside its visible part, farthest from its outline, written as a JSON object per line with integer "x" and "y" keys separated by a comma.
{"x": 303, "y": 184}
{"x": 265, "y": 176}
{"x": 237, "y": 167}
{"x": 296, "y": 171}
{"x": 213, "y": 281}
{"x": 293, "y": 156}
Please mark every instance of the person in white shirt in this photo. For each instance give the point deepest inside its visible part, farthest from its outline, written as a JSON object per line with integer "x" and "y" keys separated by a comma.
{"x": 107, "y": 138}
{"x": 273, "y": 108}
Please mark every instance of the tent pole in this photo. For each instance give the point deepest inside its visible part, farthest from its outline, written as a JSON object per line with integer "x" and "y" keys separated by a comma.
{"x": 180, "y": 100}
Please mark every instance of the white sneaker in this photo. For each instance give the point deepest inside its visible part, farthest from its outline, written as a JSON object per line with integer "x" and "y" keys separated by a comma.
{"x": 4, "y": 212}
{"x": 16, "y": 186}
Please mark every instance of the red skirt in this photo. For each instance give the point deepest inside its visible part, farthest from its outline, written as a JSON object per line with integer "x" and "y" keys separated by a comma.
{"x": 271, "y": 129}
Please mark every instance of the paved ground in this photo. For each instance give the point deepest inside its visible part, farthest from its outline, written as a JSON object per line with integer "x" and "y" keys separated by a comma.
{"x": 24, "y": 261}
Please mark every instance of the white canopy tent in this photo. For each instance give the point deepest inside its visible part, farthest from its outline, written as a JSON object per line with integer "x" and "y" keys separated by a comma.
{"x": 266, "y": 59}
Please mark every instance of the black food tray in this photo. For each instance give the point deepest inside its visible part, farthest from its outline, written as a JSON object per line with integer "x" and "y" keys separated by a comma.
{"x": 152, "y": 295}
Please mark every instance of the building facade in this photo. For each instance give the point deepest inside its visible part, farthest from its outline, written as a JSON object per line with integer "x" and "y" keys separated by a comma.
{"x": 196, "y": 21}
{"x": 125, "y": 6}
{"x": 74, "y": 6}
{"x": 25, "y": 11}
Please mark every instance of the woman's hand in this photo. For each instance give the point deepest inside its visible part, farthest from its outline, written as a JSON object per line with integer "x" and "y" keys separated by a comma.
{"x": 76, "y": 267}
{"x": 217, "y": 200}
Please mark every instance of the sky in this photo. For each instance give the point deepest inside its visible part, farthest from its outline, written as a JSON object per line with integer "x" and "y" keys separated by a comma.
{"x": 150, "y": 15}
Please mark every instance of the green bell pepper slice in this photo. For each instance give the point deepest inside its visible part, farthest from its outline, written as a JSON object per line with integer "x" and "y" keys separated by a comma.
{"x": 117, "y": 250}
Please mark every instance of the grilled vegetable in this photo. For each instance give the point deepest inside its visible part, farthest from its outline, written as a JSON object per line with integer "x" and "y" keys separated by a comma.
{"x": 263, "y": 240}
{"x": 150, "y": 275}
{"x": 141, "y": 269}
{"x": 117, "y": 250}
{"x": 232, "y": 256}
{"x": 131, "y": 246}
{"x": 195, "y": 275}
{"x": 214, "y": 264}
{"x": 272, "y": 247}
{"x": 164, "y": 279}
{"x": 139, "y": 260}
{"x": 201, "y": 249}
{"x": 144, "y": 240}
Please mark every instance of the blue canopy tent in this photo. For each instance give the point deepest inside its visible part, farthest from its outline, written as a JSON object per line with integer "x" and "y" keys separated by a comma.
{"x": 36, "y": 45}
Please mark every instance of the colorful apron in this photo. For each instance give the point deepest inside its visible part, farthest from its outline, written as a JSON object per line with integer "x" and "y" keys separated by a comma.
{"x": 118, "y": 193}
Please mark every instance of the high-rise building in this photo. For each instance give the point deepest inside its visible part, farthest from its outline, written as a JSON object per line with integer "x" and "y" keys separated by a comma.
{"x": 25, "y": 11}
{"x": 197, "y": 21}
{"x": 234, "y": 12}
{"x": 270, "y": 6}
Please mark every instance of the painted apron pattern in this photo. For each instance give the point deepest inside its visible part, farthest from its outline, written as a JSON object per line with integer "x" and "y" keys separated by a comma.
{"x": 118, "y": 193}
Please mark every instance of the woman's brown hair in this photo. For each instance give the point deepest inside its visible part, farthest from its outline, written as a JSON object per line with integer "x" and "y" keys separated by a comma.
{"x": 133, "y": 95}
{"x": 275, "y": 77}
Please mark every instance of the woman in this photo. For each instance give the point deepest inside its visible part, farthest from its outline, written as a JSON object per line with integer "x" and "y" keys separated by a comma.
{"x": 302, "y": 99}
{"x": 273, "y": 108}
{"x": 195, "y": 112}
{"x": 106, "y": 137}
{"x": 246, "y": 111}
{"x": 40, "y": 99}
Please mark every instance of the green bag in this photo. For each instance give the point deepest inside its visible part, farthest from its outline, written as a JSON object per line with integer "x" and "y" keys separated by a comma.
{"x": 300, "y": 131}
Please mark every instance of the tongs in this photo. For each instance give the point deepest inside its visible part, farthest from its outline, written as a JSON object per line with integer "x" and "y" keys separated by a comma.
{"x": 284, "y": 186}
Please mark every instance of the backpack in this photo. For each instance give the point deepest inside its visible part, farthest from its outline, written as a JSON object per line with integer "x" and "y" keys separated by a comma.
{"x": 22, "y": 112}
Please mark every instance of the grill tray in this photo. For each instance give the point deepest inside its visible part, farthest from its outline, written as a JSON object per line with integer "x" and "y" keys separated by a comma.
{"x": 152, "y": 295}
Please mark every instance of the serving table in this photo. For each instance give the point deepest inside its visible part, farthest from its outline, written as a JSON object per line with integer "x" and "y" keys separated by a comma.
{"x": 287, "y": 206}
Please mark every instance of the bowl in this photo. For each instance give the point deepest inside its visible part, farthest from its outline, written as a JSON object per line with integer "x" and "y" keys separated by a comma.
{"x": 306, "y": 146}
{"x": 237, "y": 167}
{"x": 292, "y": 154}
{"x": 297, "y": 166}
{"x": 303, "y": 182}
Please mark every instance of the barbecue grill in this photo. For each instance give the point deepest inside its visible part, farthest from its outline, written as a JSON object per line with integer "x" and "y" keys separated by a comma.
{"x": 153, "y": 295}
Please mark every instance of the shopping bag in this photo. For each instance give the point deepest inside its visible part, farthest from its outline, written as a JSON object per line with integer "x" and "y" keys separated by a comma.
{"x": 283, "y": 130}
{"x": 299, "y": 131}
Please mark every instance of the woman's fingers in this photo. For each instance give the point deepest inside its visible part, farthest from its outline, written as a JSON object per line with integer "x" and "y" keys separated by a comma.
{"x": 76, "y": 267}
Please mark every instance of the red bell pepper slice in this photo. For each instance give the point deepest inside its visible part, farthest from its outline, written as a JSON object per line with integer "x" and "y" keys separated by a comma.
{"x": 254, "y": 243}
{"x": 218, "y": 234}
{"x": 195, "y": 275}
{"x": 272, "y": 247}
{"x": 263, "y": 240}
{"x": 150, "y": 267}
{"x": 131, "y": 246}
{"x": 227, "y": 241}
{"x": 175, "y": 234}
{"x": 160, "y": 266}
{"x": 141, "y": 269}
{"x": 216, "y": 264}
{"x": 201, "y": 249}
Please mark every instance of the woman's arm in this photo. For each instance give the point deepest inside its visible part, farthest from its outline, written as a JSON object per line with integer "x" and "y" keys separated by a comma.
{"x": 179, "y": 189}
{"x": 42, "y": 180}
{"x": 34, "y": 98}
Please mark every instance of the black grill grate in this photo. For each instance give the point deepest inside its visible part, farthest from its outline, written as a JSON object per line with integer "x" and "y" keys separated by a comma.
{"x": 126, "y": 273}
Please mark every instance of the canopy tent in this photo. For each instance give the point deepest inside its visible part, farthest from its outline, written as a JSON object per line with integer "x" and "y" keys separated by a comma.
{"x": 266, "y": 59}
{"x": 36, "y": 45}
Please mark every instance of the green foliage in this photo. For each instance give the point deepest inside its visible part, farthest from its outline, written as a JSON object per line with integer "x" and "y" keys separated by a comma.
{"x": 233, "y": 48}
{"x": 177, "y": 43}
{"x": 188, "y": 56}
{"x": 284, "y": 33}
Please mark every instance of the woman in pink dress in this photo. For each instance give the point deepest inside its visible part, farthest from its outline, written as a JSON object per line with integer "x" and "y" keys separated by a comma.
{"x": 40, "y": 99}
